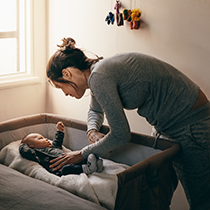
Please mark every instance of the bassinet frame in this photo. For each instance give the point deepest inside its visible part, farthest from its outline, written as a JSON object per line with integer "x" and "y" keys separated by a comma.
{"x": 146, "y": 185}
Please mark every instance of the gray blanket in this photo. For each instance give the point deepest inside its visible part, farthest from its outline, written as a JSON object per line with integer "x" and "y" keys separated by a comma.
{"x": 18, "y": 191}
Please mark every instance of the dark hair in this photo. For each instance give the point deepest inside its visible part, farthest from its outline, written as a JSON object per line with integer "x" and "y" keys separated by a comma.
{"x": 23, "y": 139}
{"x": 67, "y": 56}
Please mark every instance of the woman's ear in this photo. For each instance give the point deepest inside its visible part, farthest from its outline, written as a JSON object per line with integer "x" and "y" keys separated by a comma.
{"x": 66, "y": 74}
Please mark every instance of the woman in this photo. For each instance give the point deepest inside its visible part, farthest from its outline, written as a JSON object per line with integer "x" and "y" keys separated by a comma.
{"x": 169, "y": 100}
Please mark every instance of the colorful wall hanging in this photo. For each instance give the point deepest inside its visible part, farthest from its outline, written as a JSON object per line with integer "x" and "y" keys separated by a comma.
{"x": 119, "y": 16}
{"x": 110, "y": 17}
{"x": 131, "y": 15}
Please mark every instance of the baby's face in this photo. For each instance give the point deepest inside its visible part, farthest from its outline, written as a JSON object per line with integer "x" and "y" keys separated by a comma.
{"x": 36, "y": 141}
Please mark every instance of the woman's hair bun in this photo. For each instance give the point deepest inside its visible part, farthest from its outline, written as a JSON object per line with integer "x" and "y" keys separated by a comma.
{"x": 67, "y": 45}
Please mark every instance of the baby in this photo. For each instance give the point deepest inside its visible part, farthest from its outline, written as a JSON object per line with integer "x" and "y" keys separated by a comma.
{"x": 37, "y": 148}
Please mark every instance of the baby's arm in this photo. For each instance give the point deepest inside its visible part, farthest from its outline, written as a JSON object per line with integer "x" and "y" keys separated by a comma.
{"x": 60, "y": 126}
{"x": 58, "y": 139}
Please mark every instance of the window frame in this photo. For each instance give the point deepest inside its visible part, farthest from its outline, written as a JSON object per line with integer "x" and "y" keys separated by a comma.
{"x": 31, "y": 75}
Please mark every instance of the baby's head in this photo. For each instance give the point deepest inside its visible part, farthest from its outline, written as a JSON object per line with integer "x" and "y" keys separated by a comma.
{"x": 36, "y": 141}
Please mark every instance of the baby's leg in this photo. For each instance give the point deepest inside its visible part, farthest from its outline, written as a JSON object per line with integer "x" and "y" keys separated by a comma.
{"x": 99, "y": 164}
{"x": 71, "y": 169}
{"x": 91, "y": 165}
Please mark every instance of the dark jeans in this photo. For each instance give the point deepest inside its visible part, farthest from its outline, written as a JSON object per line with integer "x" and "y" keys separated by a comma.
{"x": 72, "y": 168}
{"x": 193, "y": 163}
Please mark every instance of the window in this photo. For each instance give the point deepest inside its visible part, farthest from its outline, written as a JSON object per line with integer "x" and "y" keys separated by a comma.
{"x": 15, "y": 39}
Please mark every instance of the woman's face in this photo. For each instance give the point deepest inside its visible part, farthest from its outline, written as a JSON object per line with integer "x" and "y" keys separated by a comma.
{"x": 78, "y": 84}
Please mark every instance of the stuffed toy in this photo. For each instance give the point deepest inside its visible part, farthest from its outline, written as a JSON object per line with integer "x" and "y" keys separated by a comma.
{"x": 119, "y": 15}
{"x": 136, "y": 14}
{"x": 133, "y": 17}
{"x": 110, "y": 18}
{"x": 127, "y": 15}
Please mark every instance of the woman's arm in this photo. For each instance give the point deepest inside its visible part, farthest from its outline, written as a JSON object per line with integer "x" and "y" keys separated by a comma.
{"x": 94, "y": 121}
{"x": 106, "y": 93}
{"x": 94, "y": 136}
{"x": 95, "y": 116}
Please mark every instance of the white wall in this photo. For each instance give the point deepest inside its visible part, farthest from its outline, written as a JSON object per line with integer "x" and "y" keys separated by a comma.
{"x": 22, "y": 101}
{"x": 175, "y": 31}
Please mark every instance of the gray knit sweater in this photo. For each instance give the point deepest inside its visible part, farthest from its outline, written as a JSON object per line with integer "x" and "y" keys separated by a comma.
{"x": 159, "y": 92}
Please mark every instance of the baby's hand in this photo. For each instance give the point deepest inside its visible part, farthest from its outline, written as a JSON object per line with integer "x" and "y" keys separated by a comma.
{"x": 60, "y": 126}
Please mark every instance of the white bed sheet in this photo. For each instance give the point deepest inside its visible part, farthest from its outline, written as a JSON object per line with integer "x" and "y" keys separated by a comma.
{"x": 100, "y": 188}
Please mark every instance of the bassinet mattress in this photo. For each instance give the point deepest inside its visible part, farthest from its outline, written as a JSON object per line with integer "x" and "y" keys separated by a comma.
{"x": 100, "y": 188}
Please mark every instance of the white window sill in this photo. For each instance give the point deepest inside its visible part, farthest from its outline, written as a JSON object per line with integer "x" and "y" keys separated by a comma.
{"x": 19, "y": 82}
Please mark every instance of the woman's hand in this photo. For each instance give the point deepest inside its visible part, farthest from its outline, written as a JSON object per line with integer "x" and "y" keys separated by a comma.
{"x": 67, "y": 158}
{"x": 94, "y": 136}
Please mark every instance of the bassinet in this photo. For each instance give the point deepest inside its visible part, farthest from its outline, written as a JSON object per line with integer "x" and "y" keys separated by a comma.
{"x": 148, "y": 184}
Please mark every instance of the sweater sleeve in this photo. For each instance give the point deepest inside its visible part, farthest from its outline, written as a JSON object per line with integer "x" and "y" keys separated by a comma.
{"x": 28, "y": 153}
{"x": 95, "y": 115}
{"x": 58, "y": 139}
{"x": 105, "y": 92}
